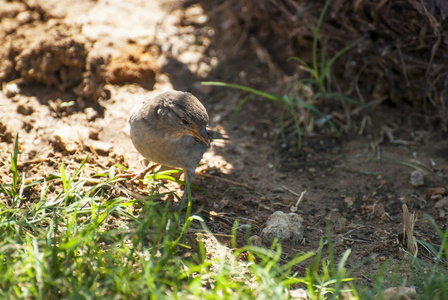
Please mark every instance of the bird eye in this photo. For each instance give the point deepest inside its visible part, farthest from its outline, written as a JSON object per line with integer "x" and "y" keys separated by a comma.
{"x": 185, "y": 122}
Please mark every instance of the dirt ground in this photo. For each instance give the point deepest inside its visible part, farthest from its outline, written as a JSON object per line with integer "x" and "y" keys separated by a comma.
{"x": 92, "y": 61}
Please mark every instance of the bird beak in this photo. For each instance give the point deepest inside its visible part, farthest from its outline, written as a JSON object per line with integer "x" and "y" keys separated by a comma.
{"x": 201, "y": 134}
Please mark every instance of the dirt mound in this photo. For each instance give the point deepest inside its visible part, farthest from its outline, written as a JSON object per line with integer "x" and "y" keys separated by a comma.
{"x": 134, "y": 63}
{"x": 43, "y": 49}
{"x": 400, "y": 50}
{"x": 48, "y": 50}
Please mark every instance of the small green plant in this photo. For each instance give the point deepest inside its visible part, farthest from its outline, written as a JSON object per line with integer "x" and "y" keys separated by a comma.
{"x": 70, "y": 240}
{"x": 11, "y": 190}
{"x": 431, "y": 279}
{"x": 320, "y": 80}
{"x": 320, "y": 67}
{"x": 61, "y": 245}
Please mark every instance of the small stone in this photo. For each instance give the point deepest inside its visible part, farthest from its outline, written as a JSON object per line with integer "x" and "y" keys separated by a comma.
{"x": 102, "y": 148}
{"x": 437, "y": 190}
{"x": 5, "y": 134}
{"x": 441, "y": 203}
{"x": 11, "y": 89}
{"x": 417, "y": 178}
{"x": 190, "y": 56}
{"x": 278, "y": 190}
{"x": 436, "y": 197}
{"x": 255, "y": 240}
{"x": 25, "y": 109}
{"x": 67, "y": 139}
{"x": 91, "y": 114}
{"x": 299, "y": 294}
{"x": 399, "y": 292}
{"x": 285, "y": 227}
{"x": 25, "y": 17}
{"x": 94, "y": 133}
{"x": 349, "y": 201}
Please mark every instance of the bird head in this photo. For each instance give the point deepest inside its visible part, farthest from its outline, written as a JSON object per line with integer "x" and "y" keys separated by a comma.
{"x": 187, "y": 115}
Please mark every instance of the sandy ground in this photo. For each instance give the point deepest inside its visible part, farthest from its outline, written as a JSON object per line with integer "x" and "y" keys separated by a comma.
{"x": 357, "y": 183}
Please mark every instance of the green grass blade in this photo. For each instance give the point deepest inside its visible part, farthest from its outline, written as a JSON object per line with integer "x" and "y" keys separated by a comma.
{"x": 78, "y": 171}
{"x": 306, "y": 66}
{"x": 319, "y": 113}
{"x": 244, "y": 88}
{"x": 293, "y": 112}
{"x": 238, "y": 108}
{"x": 5, "y": 191}
{"x": 337, "y": 55}
{"x": 14, "y": 170}
{"x": 63, "y": 177}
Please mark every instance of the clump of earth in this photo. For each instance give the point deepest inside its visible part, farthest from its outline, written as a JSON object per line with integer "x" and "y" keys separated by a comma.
{"x": 71, "y": 74}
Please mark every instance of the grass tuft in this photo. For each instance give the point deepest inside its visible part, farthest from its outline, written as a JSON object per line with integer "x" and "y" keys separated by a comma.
{"x": 70, "y": 240}
{"x": 319, "y": 82}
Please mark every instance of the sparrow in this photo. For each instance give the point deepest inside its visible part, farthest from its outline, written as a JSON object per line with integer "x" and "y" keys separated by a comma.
{"x": 170, "y": 129}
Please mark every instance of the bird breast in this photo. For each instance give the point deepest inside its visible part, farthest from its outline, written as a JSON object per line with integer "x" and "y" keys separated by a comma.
{"x": 163, "y": 147}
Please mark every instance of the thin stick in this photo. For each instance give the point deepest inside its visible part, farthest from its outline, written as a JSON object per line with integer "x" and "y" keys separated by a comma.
{"x": 291, "y": 191}
{"x": 295, "y": 207}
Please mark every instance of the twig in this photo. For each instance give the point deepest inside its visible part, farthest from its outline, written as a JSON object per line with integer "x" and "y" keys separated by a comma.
{"x": 295, "y": 208}
{"x": 405, "y": 71}
{"x": 355, "y": 240}
{"x": 354, "y": 229}
{"x": 409, "y": 221}
{"x": 291, "y": 191}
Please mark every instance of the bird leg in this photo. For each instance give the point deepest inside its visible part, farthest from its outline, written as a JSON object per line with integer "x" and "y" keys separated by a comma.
{"x": 141, "y": 174}
{"x": 189, "y": 176}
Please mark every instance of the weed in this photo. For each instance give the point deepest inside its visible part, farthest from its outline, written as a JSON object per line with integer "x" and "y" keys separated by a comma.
{"x": 78, "y": 241}
{"x": 320, "y": 81}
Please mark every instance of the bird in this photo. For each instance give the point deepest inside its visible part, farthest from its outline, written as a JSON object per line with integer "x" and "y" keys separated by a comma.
{"x": 171, "y": 129}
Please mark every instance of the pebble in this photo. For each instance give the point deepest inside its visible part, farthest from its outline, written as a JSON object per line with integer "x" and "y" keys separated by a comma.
{"x": 286, "y": 227}
{"x": 91, "y": 114}
{"x": 11, "y": 89}
{"x": 255, "y": 240}
{"x": 442, "y": 203}
{"x": 25, "y": 109}
{"x": 26, "y": 16}
{"x": 399, "y": 292}
{"x": 417, "y": 178}
{"x": 437, "y": 190}
{"x": 278, "y": 190}
{"x": 298, "y": 294}
{"x": 102, "y": 148}
{"x": 67, "y": 139}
